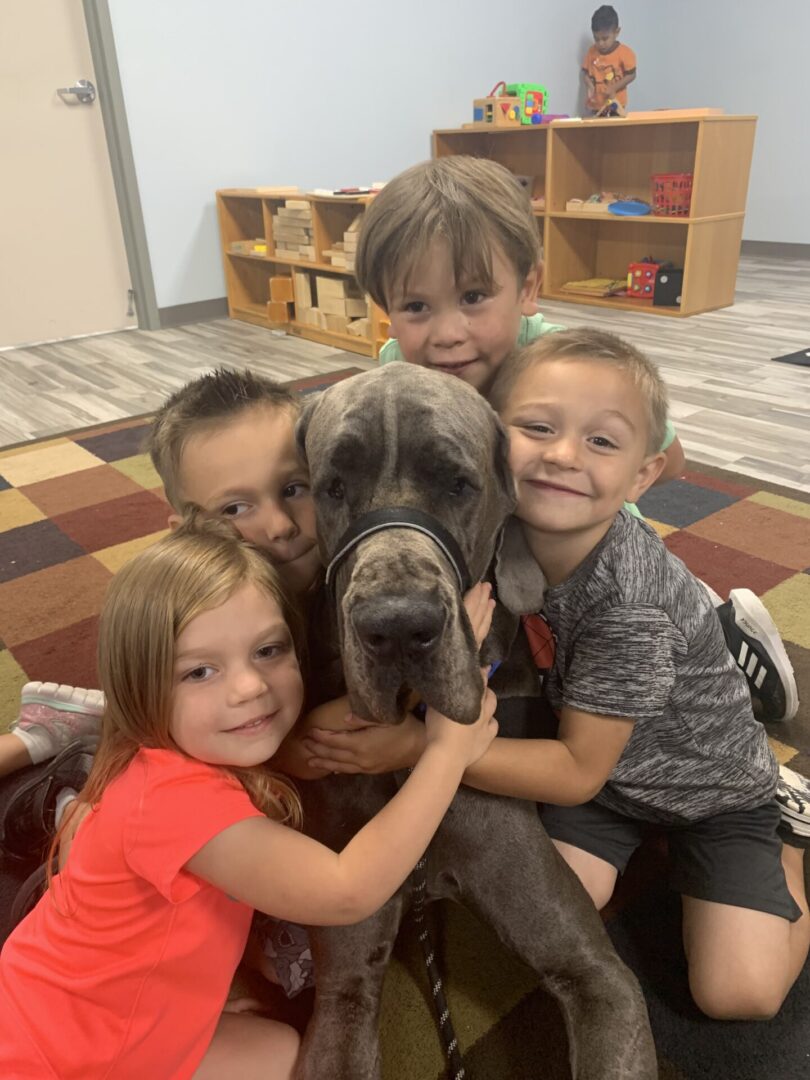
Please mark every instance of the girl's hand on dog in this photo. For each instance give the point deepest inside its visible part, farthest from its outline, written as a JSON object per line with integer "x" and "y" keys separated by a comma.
{"x": 467, "y": 742}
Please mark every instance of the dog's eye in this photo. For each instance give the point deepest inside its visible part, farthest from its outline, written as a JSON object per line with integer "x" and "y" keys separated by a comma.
{"x": 459, "y": 486}
{"x": 335, "y": 489}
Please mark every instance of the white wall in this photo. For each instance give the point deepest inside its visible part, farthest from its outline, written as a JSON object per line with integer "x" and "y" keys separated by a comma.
{"x": 321, "y": 94}
{"x": 748, "y": 58}
{"x": 326, "y": 93}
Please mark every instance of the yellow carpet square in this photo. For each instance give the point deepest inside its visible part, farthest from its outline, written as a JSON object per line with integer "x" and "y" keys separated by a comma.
{"x": 12, "y": 680}
{"x": 662, "y": 529}
{"x": 114, "y": 557}
{"x": 44, "y": 461}
{"x": 140, "y": 469}
{"x": 788, "y": 602}
{"x": 779, "y": 502}
{"x": 781, "y": 751}
{"x": 17, "y": 510}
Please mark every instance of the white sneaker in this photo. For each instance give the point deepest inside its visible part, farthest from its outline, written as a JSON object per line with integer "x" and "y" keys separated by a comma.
{"x": 793, "y": 796}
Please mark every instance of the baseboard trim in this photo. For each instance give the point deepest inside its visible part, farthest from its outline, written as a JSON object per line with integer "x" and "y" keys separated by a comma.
{"x": 775, "y": 249}
{"x": 200, "y": 311}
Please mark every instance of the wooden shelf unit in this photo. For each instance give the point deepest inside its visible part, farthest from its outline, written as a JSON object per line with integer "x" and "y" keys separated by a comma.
{"x": 246, "y": 214}
{"x": 572, "y": 160}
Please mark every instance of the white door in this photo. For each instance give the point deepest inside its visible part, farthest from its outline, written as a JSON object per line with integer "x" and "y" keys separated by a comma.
{"x": 63, "y": 267}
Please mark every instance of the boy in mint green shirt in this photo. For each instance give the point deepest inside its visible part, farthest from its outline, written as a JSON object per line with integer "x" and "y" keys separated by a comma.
{"x": 450, "y": 251}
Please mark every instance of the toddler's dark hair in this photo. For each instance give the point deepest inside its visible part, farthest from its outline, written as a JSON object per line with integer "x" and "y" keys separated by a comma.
{"x": 604, "y": 18}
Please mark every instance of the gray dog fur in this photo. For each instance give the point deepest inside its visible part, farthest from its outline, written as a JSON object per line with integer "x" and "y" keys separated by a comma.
{"x": 407, "y": 436}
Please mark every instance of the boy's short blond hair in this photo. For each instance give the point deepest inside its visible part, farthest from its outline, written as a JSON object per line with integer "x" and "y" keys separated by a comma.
{"x": 470, "y": 203}
{"x": 595, "y": 345}
{"x": 206, "y": 404}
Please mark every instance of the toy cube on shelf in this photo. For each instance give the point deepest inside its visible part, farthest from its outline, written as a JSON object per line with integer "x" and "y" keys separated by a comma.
{"x": 641, "y": 280}
{"x": 533, "y": 100}
{"x": 500, "y": 111}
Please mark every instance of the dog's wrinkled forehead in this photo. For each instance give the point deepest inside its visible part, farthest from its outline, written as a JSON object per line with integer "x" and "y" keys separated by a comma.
{"x": 374, "y": 412}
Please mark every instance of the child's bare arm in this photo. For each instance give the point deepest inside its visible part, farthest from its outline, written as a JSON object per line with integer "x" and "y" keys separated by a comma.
{"x": 281, "y": 872}
{"x": 566, "y": 771}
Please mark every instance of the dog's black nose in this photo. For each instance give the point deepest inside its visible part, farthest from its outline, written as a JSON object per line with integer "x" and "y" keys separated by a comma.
{"x": 399, "y": 626}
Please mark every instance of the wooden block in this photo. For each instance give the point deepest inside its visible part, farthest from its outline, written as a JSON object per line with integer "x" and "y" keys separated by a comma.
{"x": 283, "y": 232}
{"x": 277, "y": 312}
{"x": 297, "y": 204}
{"x": 330, "y": 286}
{"x": 302, "y": 287}
{"x": 307, "y": 251}
{"x": 337, "y": 323}
{"x": 281, "y": 289}
{"x": 315, "y": 317}
{"x": 355, "y": 225}
{"x": 356, "y": 309}
{"x": 294, "y": 215}
{"x": 332, "y": 305}
{"x": 350, "y": 241}
{"x": 359, "y": 327}
{"x": 339, "y": 259}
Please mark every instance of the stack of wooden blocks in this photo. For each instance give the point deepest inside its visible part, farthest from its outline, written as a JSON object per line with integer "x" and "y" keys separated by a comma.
{"x": 340, "y": 306}
{"x": 279, "y": 307}
{"x": 343, "y": 252}
{"x": 292, "y": 227}
{"x": 350, "y": 238}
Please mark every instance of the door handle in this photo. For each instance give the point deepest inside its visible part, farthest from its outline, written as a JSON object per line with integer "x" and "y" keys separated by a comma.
{"x": 81, "y": 93}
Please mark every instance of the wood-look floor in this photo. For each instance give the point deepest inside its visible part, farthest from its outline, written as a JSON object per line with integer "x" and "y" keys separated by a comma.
{"x": 733, "y": 407}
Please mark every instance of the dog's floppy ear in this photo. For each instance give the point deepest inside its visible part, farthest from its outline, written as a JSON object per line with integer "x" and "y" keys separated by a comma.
{"x": 302, "y": 425}
{"x": 503, "y": 473}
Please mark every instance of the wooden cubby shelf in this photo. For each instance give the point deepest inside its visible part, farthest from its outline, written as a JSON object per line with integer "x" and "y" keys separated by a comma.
{"x": 306, "y": 287}
{"x": 301, "y": 277}
{"x": 575, "y": 159}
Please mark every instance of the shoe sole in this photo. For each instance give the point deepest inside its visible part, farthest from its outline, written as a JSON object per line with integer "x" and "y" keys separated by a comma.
{"x": 755, "y": 620}
{"x": 40, "y": 693}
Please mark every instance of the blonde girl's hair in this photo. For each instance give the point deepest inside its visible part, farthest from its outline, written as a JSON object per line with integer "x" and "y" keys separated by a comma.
{"x": 148, "y": 605}
{"x": 207, "y": 404}
{"x": 598, "y": 346}
{"x": 471, "y": 204}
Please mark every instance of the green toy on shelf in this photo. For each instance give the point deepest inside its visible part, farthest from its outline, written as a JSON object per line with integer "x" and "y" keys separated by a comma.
{"x": 511, "y": 105}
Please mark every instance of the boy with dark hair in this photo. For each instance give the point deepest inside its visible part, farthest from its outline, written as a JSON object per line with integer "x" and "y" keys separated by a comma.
{"x": 609, "y": 67}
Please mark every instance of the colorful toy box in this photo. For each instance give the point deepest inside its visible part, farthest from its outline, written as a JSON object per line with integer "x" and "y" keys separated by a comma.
{"x": 641, "y": 280}
{"x": 511, "y": 105}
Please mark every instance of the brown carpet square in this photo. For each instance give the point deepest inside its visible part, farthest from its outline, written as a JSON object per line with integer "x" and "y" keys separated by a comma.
{"x": 76, "y": 490}
{"x": 113, "y": 522}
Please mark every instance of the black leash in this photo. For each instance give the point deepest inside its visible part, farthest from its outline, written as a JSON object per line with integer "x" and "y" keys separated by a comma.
{"x": 455, "y": 1065}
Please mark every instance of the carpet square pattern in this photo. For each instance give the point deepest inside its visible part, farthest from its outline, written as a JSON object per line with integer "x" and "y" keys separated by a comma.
{"x": 73, "y": 509}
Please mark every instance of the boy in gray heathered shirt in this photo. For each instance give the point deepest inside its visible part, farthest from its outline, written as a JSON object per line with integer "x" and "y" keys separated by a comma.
{"x": 655, "y": 720}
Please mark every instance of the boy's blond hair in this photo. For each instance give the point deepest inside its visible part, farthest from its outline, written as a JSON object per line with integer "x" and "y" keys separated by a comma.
{"x": 205, "y": 404}
{"x": 595, "y": 345}
{"x": 470, "y": 203}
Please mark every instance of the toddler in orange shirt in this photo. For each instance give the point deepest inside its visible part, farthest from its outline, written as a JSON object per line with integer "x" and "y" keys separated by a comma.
{"x": 609, "y": 67}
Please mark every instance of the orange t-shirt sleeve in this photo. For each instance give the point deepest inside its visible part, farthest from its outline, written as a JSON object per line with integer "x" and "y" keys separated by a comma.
{"x": 183, "y": 804}
{"x": 628, "y": 59}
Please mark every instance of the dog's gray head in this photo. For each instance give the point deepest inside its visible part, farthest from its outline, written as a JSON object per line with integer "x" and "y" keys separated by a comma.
{"x": 407, "y": 437}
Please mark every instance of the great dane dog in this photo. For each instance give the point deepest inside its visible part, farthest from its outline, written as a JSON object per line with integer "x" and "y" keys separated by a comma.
{"x": 384, "y": 447}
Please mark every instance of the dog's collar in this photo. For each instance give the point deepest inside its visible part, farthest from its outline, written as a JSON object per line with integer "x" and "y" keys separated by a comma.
{"x": 401, "y": 517}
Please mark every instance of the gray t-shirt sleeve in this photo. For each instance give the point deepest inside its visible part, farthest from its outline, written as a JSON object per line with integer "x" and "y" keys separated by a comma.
{"x": 624, "y": 663}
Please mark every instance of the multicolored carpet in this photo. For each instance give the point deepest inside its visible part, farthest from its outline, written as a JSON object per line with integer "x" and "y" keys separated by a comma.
{"x": 73, "y": 509}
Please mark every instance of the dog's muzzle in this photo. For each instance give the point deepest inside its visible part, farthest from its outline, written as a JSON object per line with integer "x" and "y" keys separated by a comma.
{"x": 400, "y": 517}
